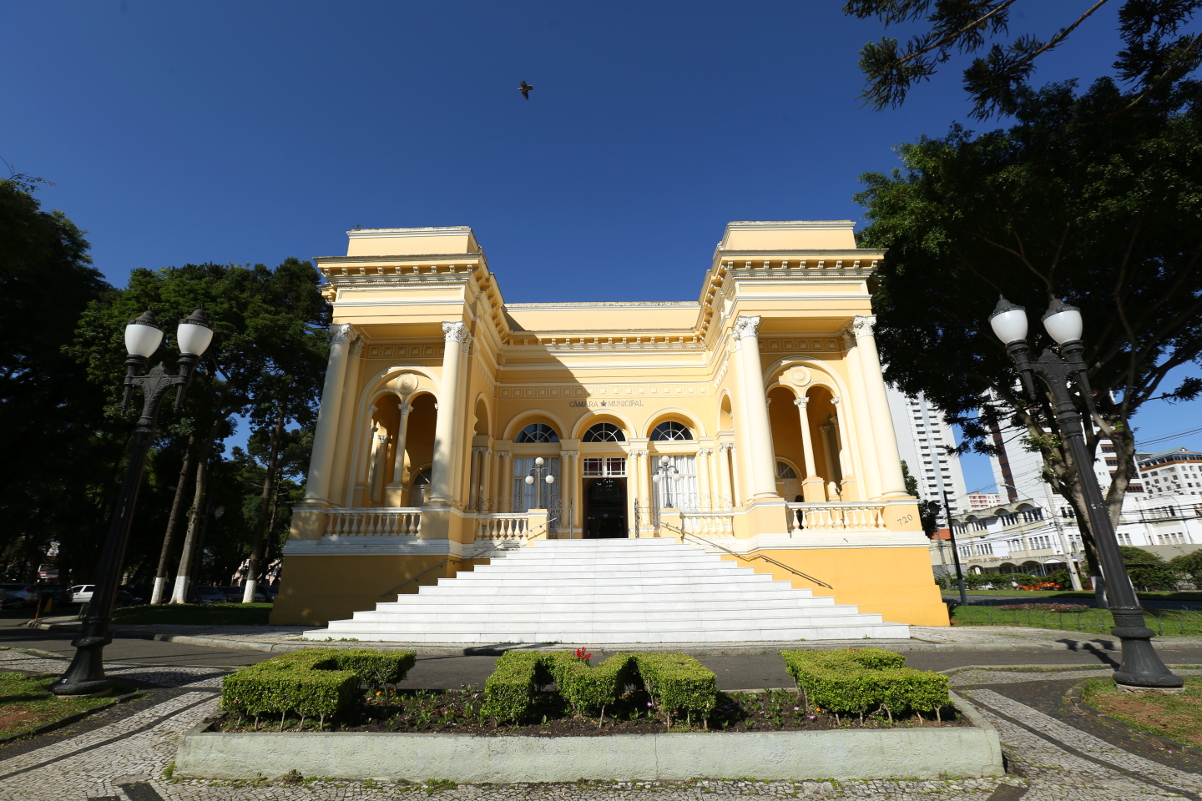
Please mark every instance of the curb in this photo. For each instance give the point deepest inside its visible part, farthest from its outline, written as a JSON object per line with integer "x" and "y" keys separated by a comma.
{"x": 900, "y": 646}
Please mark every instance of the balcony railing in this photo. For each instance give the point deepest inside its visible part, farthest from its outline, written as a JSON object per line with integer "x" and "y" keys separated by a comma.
{"x": 708, "y": 524}
{"x": 502, "y": 526}
{"x": 837, "y": 516}
{"x": 390, "y": 522}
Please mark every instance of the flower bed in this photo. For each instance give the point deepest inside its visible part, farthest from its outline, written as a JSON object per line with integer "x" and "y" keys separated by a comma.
{"x": 1063, "y": 608}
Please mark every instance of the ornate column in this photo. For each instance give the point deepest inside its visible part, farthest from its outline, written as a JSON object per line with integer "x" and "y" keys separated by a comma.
{"x": 812, "y": 490}
{"x": 848, "y": 486}
{"x": 828, "y": 452}
{"x": 476, "y": 476}
{"x": 758, "y": 463}
{"x": 506, "y": 479}
{"x": 363, "y": 469}
{"x": 317, "y": 488}
{"x": 705, "y": 501}
{"x": 398, "y": 464}
{"x": 375, "y": 477}
{"x": 446, "y": 429}
{"x": 639, "y": 478}
{"x": 568, "y": 489}
{"x": 727, "y": 490}
{"x": 888, "y": 460}
{"x": 857, "y": 411}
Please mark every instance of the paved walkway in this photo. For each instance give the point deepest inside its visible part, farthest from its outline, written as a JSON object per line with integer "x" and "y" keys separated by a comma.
{"x": 1057, "y": 750}
{"x": 923, "y": 638}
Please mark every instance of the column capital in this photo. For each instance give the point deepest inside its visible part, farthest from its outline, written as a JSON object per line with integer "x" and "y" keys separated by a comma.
{"x": 569, "y": 454}
{"x": 480, "y": 449}
{"x": 455, "y": 332}
{"x": 747, "y": 326}
{"x": 801, "y": 402}
{"x": 862, "y": 325}
{"x": 835, "y": 401}
{"x": 342, "y": 333}
{"x": 404, "y": 408}
{"x": 638, "y": 454}
{"x": 705, "y": 451}
{"x": 727, "y": 447}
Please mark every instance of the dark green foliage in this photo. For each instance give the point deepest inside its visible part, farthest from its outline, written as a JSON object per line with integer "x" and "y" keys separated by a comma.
{"x": 1159, "y": 45}
{"x": 679, "y": 685}
{"x": 1149, "y": 571}
{"x": 1073, "y": 202}
{"x": 861, "y": 680}
{"x": 318, "y": 682}
{"x": 1189, "y": 564}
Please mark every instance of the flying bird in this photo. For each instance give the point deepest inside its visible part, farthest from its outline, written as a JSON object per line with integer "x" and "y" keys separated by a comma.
{"x": 525, "y": 89}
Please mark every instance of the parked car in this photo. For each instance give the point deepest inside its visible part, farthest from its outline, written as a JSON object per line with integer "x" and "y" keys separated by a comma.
{"x": 209, "y": 595}
{"x": 18, "y": 596}
{"x": 80, "y": 594}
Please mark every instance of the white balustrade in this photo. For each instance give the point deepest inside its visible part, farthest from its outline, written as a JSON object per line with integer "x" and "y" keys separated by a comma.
{"x": 837, "y": 516}
{"x": 708, "y": 524}
{"x": 502, "y": 526}
{"x": 388, "y": 522}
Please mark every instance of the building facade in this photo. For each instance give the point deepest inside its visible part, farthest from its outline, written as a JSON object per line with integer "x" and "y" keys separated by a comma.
{"x": 923, "y": 440}
{"x": 1174, "y": 472}
{"x": 752, "y": 421}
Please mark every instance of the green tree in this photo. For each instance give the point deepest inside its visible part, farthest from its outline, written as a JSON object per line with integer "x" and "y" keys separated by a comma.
{"x": 265, "y": 363}
{"x": 928, "y": 511}
{"x": 1159, "y": 46}
{"x": 1071, "y": 202}
{"x": 1189, "y": 564}
{"x": 1148, "y": 571}
{"x": 58, "y": 458}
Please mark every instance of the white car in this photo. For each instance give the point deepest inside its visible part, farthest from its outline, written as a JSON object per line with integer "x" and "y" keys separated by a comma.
{"x": 79, "y": 594}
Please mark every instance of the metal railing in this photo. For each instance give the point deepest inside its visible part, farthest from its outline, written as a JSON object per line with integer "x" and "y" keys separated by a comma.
{"x": 745, "y": 557}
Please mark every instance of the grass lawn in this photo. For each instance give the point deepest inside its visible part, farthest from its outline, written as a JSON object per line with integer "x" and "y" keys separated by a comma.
{"x": 195, "y": 614}
{"x": 1165, "y": 623}
{"x": 1177, "y": 717}
{"x": 27, "y": 703}
{"x": 1158, "y": 596}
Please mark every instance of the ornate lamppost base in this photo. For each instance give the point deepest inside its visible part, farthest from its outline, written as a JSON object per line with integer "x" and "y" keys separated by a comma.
{"x": 85, "y": 674}
{"x": 1141, "y": 668}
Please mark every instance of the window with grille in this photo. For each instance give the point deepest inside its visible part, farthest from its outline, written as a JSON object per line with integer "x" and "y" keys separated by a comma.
{"x": 537, "y": 432}
{"x": 784, "y": 471}
{"x": 604, "y": 467}
{"x": 604, "y": 432}
{"x": 671, "y": 431}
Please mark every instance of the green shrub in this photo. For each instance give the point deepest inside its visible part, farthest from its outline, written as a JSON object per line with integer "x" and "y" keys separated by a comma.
{"x": 317, "y": 682}
{"x": 861, "y": 680}
{"x": 679, "y": 685}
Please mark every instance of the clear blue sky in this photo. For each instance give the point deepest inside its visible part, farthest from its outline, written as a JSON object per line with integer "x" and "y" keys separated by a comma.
{"x": 252, "y": 131}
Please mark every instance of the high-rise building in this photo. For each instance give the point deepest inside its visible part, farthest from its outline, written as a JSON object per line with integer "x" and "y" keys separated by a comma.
{"x": 923, "y": 439}
{"x": 1175, "y": 472}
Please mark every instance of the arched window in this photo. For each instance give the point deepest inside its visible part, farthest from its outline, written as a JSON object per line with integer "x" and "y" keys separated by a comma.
{"x": 784, "y": 471}
{"x": 421, "y": 485}
{"x": 604, "y": 432}
{"x": 537, "y": 432}
{"x": 671, "y": 431}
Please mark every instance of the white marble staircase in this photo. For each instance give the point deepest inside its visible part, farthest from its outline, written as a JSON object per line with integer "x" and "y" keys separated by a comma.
{"x": 619, "y": 591}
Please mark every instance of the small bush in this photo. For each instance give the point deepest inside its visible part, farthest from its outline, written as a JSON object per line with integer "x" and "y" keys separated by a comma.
{"x": 860, "y": 680}
{"x": 315, "y": 682}
{"x": 679, "y": 684}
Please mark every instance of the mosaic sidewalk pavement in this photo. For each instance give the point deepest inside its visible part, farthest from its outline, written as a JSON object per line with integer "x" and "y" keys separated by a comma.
{"x": 124, "y": 760}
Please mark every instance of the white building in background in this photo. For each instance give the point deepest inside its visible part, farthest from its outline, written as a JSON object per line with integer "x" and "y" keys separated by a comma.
{"x": 1175, "y": 472}
{"x": 922, "y": 441}
{"x": 983, "y": 500}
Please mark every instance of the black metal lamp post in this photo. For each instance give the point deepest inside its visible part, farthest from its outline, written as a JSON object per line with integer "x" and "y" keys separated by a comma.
{"x": 544, "y": 474}
{"x": 85, "y": 675}
{"x": 1141, "y": 667}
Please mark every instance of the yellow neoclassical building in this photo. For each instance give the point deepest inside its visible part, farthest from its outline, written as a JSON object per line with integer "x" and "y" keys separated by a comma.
{"x": 751, "y": 422}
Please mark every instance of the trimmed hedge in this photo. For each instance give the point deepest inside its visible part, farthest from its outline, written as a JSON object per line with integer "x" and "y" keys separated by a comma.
{"x": 863, "y": 679}
{"x": 679, "y": 685}
{"x": 317, "y": 682}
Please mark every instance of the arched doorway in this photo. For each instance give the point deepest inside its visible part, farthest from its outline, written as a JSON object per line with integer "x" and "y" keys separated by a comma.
{"x": 605, "y": 508}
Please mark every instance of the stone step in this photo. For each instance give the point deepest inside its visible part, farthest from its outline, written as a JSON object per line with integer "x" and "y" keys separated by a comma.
{"x": 610, "y": 592}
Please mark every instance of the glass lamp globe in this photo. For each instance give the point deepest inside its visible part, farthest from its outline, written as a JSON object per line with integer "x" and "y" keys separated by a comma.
{"x": 655, "y": 478}
{"x": 529, "y": 479}
{"x": 1009, "y": 322}
{"x": 194, "y": 333}
{"x": 539, "y": 461}
{"x": 1063, "y": 322}
{"x": 143, "y": 335}
{"x": 550, "y": 478}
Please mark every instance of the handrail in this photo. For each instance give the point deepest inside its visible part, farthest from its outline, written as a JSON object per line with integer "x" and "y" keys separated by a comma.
{"x": 526, "y": 536}
{"x": 746, "y": 558}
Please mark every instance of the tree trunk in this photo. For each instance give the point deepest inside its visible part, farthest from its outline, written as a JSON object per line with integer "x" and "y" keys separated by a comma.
{"x": 261, "y": 523}
{"x": 179, "y": 595}
{"x": 177, "y": 507}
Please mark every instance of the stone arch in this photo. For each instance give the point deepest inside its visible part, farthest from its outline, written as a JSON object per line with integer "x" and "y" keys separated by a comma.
{"x": 726, "y": 418}
{"x": 677, "y": 415}
{"x": 591, "y": 418}
{"x": 529, "y": 416}
{"x": 481, "y": 426}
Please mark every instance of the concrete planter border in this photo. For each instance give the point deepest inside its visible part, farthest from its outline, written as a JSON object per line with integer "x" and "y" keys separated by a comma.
{"x": 842, "y": 754}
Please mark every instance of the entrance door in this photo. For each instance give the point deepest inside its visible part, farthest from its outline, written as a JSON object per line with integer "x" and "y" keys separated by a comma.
{"x": 605, "y": 509}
